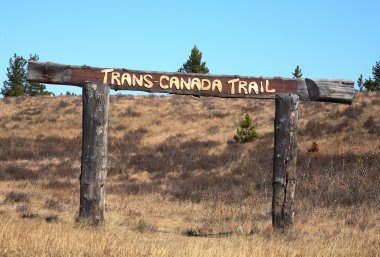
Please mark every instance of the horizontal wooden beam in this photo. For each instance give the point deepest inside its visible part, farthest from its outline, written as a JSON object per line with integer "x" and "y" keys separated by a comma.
{"x": 325, "y": 90}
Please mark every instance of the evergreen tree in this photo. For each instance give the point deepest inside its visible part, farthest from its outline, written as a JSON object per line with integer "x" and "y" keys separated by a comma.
{"x": 15, "y": 85}
{"x": 297, "y": 72}
{"x": 360, "y": 83}
{"x": 194, "y": 64}
{"x": 373, "y": 84}
{"x": 247, "y": 131}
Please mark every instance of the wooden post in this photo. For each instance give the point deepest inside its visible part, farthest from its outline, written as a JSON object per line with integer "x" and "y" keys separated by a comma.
{"x": 94, "y": 152}
{"x": 284, "y": 160}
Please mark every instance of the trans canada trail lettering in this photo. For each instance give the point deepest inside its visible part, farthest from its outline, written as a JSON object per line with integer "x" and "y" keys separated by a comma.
{"x": 186, "y": 82}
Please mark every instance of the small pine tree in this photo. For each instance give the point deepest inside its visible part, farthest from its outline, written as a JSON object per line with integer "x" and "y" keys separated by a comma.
{"x": 373, "y": 84}
{"x": 360, "y": 83}
{"x": 69, "y": 93}
{"x": 194, "y": 64}
{"x": 247, "y": 131}
{"x": 297, "y": 72}
{"x": 15, "y": 85}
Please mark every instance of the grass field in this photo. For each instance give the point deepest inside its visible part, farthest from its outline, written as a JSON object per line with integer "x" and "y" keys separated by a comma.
{"x": 178, "y": 185}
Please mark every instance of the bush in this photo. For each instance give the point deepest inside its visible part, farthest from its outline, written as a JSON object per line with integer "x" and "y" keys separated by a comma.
{"x": 16, "y": 197}
{"x": 246, "y": 132}
{"x": 17, "y": 172}
{"x": 371, "y": 126}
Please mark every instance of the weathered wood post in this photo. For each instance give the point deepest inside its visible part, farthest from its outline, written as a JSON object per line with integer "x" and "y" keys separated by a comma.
{"x": 284, "y": 160}
{"x": 94, "y": 152}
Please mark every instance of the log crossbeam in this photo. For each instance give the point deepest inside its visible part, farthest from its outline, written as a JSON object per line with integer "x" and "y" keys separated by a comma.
{"x": 324, "y": 90}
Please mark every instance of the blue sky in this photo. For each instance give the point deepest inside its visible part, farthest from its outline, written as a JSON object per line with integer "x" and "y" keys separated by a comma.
{"x": 328, "y": 39}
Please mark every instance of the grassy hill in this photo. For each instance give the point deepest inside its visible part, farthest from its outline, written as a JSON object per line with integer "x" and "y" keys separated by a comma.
{"x": 178, "y": 185}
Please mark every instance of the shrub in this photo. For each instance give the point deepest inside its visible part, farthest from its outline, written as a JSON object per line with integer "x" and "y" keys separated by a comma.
{"x": 142, "y": 227}
{"x": 51, "y": 218}
{"x": 316, "y": 128}
{"x": 371, "y": 126}
{"x": 23, "y": 208}
{"x": 16, "y": 197}
{"x": 29, "y": 215}
{"x": 17, "y": 172}
{"x": 53, "y": 204}
{"x": 174, "y": 155}
{"x": 338, "y": 180}
{"x": 130, "y": 113}
{"x": 62, "y": 105}
{"x": 246, "y": 132}
{"x": 133, "y": 188}
{"x": 353, "y": 112}
{"x": 314, "y": 148}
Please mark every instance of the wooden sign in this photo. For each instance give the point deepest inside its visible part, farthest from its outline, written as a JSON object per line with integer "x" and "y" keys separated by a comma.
{"x": 96, "y": 82}
{"x": 327, "y": 90}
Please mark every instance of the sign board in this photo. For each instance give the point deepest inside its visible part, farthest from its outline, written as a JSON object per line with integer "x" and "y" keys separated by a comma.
{"x": 327, "y": 90}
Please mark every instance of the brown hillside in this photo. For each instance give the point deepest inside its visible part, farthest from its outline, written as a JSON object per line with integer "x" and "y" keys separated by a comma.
{"x": 174, "y": 172}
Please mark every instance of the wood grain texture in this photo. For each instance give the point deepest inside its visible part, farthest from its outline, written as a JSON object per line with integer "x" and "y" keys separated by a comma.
{"x": 94, "y": 153}
{"x": 284, "y": 160}
{"x": 325, "y": 90}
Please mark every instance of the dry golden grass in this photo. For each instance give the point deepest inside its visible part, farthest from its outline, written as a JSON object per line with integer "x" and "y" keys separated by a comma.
{"x": 177, "y": 186}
